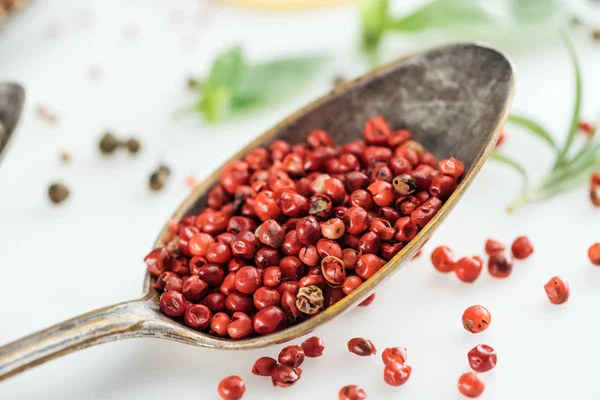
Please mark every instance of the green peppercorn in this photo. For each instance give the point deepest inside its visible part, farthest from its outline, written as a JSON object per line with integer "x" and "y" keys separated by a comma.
{"x": 108, "y": 143}
{"x": 133, "y": 145}
{"x": 58, "y": 193}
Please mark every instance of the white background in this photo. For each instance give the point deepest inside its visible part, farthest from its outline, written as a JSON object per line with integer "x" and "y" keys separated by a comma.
{"x": 57, "y": 262}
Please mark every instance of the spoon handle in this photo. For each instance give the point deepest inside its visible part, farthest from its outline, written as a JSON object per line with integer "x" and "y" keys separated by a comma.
{"x": 119, "y": 321}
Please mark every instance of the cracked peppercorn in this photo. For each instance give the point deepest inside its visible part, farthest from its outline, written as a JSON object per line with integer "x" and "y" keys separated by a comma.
{"x": 352, "y": 392}
{"x": 284, "y": 375}
{"x": 476, "y": 319}
{"x": 397, "y": 354}
{"x": 292, "y": 356}
{"x": 309, "y": 299}
{"x": 396, "y": 374}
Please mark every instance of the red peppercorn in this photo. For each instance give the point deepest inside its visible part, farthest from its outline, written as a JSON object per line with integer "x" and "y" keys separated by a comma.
{"x": 334, "y": 189}
{"x": 522, "y": 248}
{"x": 501, "y": 139}
{"x": 452, "y": 167}
{"x": 198, "y": 244}
{"x": 382, "y": 228}
{"x": 320, "y": 206}
{"x": 374, "y": 155}
{"x": 327, "y": 247}
{"x": 269, "y": 320}
{"x": 219, "y": 323}
{"x": 228, "y": 285}
{"x": 586, "y": 127}
{"x": 396, "y": 374}
{"x": 266, "y": 256}
{"x": 248, "y": 279}
{"x": 442, "y": 259}
{"x": 351, "y": 283}
{"x": 423, "y": 214}
{"x": 198, "y": 316}
{"x": 238, "y": 302}
{"x": 594, "y": 253}
{"x": 407, "y": 153}
{"x": 236, "y": 263}
{"x": 232, "y": 388}
{"x": 500, "y": 265}
{"x": 427, "y": 158}
{"x": 407, "y": 204}
{"x": 482, "y": 358}
{"x": 470, "y": 385}
{"x": 313, "y": 347}
{"x": 225, "y": 238}
{"x": 288, "y": 305}
{"x": 476, "y": 319}
{"x": 264, "y": 366}
{"x": 367, "y": 265}
{"x": 158, "y": 261}
{"x": 179, "y": 265}
{"x": 240, "y": 326}
{"x": 309, "y": 255}
{"x": 284, "y": 376}
{"x": 218, "y": 253}
{"x": 352, "y": 392}
{"x": 358, "y": 220}
{"x": 271, "y": 233}
{"x": 382, "y": 192}
{"x": 333, "y": 228}
{"x": 361, "y": 198}
{"x": 308, "y": 230}
{"x": 361, "y": 347}
{"x": 493, "y": 246}
{"x": 389, "y": 250}
{"x": 291, "y": 246}
{"x": 217, "y": 198}
{"x": 279, "y": 149}
{"x": 350, "y": 258}
{"x": 265, "y": 297}
{"x": 319, "y": 138}
{"x": 368, "y": 300}
{"x": 389, "y": 214}
{"x": 195, "y": 264}
{"x": 369, "y": 243}
{"x": 333, "y": 270}
{"x": 169, "y": 281}
{"x": 215, "y": 302}
{"x": 212, "y": 223}
{"x": 394, "y": 354}
{"x": 291, "y": 287}
{"x": 272, "y": 276}
{"x": 237, "y": 224}
{"x": 399, "y": 137}
{"x": 194, "y": 288}
{"x": 382, "y": 173}
{"x": 406, "y": 229}
{"x": 172, "y": 303}
{"x": 557, "y": 290}
{"x": 356, "y": 180}
{"x": 377, "y": 131}
{"x": 291, "y": 355}
{"x": 293, "y": 204}
{"x": 265, "y": 206}
{"x": 468, "y": 269}
{"x": 212, "y": 274}
{"x": 442, "y": 186}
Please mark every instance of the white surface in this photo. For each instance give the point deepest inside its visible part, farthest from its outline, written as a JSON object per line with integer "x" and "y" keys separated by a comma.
{"x": 57, "y": 262}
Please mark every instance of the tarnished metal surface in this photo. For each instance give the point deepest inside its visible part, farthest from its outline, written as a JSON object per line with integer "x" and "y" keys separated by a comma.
{"x": 455, "y": 99}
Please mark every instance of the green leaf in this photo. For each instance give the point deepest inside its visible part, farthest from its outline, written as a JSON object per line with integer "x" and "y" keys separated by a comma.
{"x": 562, "y": 157}
{"x": 217, "y": 91}
{"x": 528, "y": 11}
{"x": 533, "y": 127}
{"x": 512, "y": 163}
{"x": 374, "y": 18}
{"x": 444, "y": 14}
{"x": 274, "y": 81}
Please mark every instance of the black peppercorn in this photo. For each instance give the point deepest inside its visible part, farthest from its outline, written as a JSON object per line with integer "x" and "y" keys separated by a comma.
{"x": 108, "y": 143}
{"x": 58, "y": 193}
{"x": 133, "y": 145}
{"x": 159, "y": 178}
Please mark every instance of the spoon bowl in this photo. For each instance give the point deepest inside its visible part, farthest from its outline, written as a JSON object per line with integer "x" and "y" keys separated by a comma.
{"x": 12, "y": 97}
{"x": 455, "y": 99}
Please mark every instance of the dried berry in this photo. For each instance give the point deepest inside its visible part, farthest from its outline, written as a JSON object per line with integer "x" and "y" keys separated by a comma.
{"x": 108, "y": 143}
{"x": 313, "y": 347}
{"x": 361, "y": 347}
{"x": 476, "y": 319}
{"x": 159, "y": 178}
{"x": 557, "y": 290}
{"x": 133, "y": 145}
{"x": 284, "y": 375}
{"x": 232, "y": 388}
{"x": 58, "y": 192}
{"x": 292, "y": 356}
{"x": 396, "y": 374}
{"x": 522, "y": 248}
{"x": 264, "y": 366}
{"x": 310, "y": 299}
{"x": 594, "y": 253}
{"x": 482, "y": 358}
{"x": 397, "y": 354}
{"x": 352, "y": 392}
{"x": 470, "y": 385}
{"x": 442, "y": 259}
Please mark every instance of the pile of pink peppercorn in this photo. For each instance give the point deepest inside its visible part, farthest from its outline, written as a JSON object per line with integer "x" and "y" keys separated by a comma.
{"x": 292, "y": 229}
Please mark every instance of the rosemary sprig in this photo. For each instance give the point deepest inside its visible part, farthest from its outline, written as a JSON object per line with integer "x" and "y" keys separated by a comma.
{"x": 572, "y": 166}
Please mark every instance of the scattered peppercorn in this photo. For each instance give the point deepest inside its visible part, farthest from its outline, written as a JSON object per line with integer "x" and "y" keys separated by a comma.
{"x": 361, "y": 347}
{"x": 594, "y": 253}
{"x": 264, "y": 366}
{"x": 482, "y": 358}
{"x": 500, "y": 265}
{"x": 522, "y": 248}
{"x": 476, "y": 319}
{"x": 595, "y": 189}
{"x": 292, "y": 356}
{"x": 159, "y": 178}
{"x": 493, "y": 246}
{"x": 442, "y": 259}
{"x": 396, "y": 374}
{"x": 586, "y": 127}
{"x": 397, "y": 354}
{"x": 352, "y": 392}
{"x": 284, "y": 375}
{"x": 557, "y": 290}
{"x": 133, "y": 145}
{"x": 108, "y": 143}
{"x": 58, "y": 192}
{"x": 313, "y": 347}
{"x": 470, "y": 385}
{"x": 232, "y": 388}
{"x": 501, "y": 139}
{"x": 468, "y": 269}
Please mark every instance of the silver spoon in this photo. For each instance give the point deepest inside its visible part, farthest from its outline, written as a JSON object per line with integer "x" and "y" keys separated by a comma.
{"x": 455, "y": 99}
{"x": 12, "y": 97}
